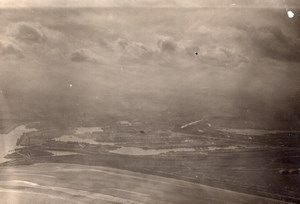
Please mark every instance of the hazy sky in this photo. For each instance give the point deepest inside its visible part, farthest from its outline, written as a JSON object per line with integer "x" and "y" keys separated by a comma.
{"x": 248, "y": 59}
{"x": 149, "y": 3}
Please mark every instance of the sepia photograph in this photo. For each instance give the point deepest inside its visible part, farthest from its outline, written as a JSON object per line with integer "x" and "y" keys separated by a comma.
{"x": 149, "y": 101}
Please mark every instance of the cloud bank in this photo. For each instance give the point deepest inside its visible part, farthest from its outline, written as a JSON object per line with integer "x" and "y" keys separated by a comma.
{"x": 247, "y": 59}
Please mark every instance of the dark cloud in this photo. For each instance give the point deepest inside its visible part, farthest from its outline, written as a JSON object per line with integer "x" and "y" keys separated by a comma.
{"x": 104, "y": 44}
{"x": 167, "y": 44}
{"x": 275, "y": 44}
{"x": 271, "y": 42}
{"x": 8, "y": 48}
{"x": 122, "y": 43}
{"x": 138, "y": 49}
{"x": 28, "y": 32}
{"x": 136, "y": 52}
{"x": 82, "y": 55}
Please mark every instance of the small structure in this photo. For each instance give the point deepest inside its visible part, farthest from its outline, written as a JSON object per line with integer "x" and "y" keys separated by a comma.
{"x": 294, "y": 171}
{"x": 289, "y": 171}
{"x": 124, "y": 122}
{"x": 283, "y": 171}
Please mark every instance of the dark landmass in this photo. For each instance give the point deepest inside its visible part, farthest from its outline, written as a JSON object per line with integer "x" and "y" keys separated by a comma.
{"x": 224, "y": 160}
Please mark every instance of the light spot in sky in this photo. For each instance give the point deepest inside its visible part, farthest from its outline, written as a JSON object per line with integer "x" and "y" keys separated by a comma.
{"x": 290, "y": 14}
{"x": 71, "y": 85}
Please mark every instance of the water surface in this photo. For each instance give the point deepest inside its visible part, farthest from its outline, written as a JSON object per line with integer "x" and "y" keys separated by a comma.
{"x": 8, "y": 141}
{"x": 140, "y": 151}
{"x": 256, "y": 131}
{"x": 83, "y": 130}
{"x": 72, "y": 138}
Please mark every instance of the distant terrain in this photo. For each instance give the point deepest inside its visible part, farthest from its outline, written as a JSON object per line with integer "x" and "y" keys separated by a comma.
{"x": 199, "y": 153}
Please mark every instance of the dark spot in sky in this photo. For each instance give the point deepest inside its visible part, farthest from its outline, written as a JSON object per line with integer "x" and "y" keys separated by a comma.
{"x": 196, "y": 53}
{"x": 142, "y": 131}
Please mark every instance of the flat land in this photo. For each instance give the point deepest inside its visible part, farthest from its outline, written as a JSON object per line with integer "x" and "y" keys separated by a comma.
{"x": 232, "y": 162}
{"x": 69, "y": 183}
